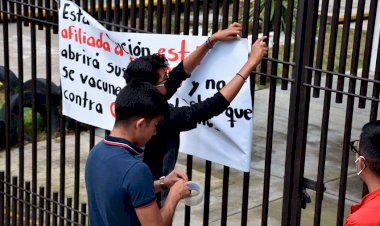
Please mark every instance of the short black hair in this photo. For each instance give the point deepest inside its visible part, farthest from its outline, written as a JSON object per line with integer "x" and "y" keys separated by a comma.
{"x": 369, "y": 145}
{"x": 145, "y": 69}
{"x": 139, "y": 100}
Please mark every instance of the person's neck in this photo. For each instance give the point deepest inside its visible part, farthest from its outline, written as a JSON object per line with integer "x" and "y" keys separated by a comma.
{"x": 116, "y": 132}
{"x": 372, "y": 182}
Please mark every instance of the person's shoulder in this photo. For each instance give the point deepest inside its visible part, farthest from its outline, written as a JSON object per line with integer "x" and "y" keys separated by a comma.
{"x": 366, "y": 214}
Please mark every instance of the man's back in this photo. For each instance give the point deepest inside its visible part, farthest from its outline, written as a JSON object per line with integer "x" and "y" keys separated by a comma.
{"x": 116, "y": 183}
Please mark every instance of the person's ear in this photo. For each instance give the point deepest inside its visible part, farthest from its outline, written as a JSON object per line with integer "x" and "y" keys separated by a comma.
{"x": 139, "y": 123}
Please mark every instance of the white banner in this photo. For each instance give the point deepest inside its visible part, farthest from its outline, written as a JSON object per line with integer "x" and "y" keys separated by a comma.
{"x": 92, "y": 62}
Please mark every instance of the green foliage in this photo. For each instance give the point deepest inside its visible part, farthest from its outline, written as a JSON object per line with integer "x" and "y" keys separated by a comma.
{"x": 284, "y": 12}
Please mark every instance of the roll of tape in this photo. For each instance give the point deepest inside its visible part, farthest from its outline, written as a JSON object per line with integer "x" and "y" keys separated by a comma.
{"x": 196, "y": 199}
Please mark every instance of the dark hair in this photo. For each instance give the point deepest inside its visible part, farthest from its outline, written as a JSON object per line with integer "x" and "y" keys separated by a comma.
{"x": 139, "y": 100}
{"x": 145, "y": 69}
{"x": 369, "y": 145}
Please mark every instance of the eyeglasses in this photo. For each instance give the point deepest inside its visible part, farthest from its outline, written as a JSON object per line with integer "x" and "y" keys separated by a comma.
{"x": 354, "y": 144}
{"x": 162, "y": 82}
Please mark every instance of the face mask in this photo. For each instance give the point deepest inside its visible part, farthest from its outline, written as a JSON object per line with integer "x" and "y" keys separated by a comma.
{"x": 356, "y": 165}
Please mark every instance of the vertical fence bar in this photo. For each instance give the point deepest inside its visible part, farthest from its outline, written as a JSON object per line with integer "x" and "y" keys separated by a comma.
{"x": 235, "y": 11}
{"x": 287, "y": 211}
{"x": 55, "y": 17}
{"x": 206, "y": 206}
{"x": 168, "y": 15}
{"x": 133, "y": 14}
{"x": 343, "y": 49}
{"x": 225, "y": 9}
{"x": 12, "y": 10}
{"x": 116, "y": 15}
{"x": 321, "y": 46}
{"x": 271, "y": 110}
{"x": 266, "y": 28}
{"x": 224, "y": 212}
{"x": 41, "y": 202}
{"x": 376, "y": 89}
{"x": 26, "y": 12}
{"x": 367, "y": 51}
{"x": 141, "y": 14}
{"x": 68, "y": 212}
{"x": 287, "y": 42}
{"x": 124, "y": 15}
{"x": 2, "y": 197}
{"x": 93, "y": 9}
{"x": 100, "y": 9}
{"x": 215, "y": 16}
{"x": 33, "y": 41}
{"x": 48, "y": 112}
{"x": 160, "y": 10}
{"x": 326, "y": 105}
{"x": 177, "y": 17}
{"x": 55, "y": 209}
{"x": 83, "y": 214}
{"x": 77, "y": 169}
{"x": 189, "y": 171}
{"x": 196, "y": 17}
{"x": 14, "y": 201}
{"x": 27, "y": 203}
{"x": 108, "y": 13}
{"x": 349, "y": 112}
{"x": 150, "y": 15}
{"x": 20, "y": 120}
{"x": 62, "y": 163}
{"x": 7, "y": 112}
{"x": 186, "y": 17}
{"x": 40, "y": 14}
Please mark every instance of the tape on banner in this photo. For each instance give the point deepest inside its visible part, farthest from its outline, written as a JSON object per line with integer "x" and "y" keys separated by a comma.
{"x": 194, "y": 200}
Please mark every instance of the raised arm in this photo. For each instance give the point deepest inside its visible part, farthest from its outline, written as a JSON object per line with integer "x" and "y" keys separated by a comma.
{"x": 233, "y": 32}
{"x": 258, "y": 50}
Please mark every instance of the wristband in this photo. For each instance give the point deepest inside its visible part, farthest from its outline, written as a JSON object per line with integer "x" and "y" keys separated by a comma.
{"x": 162, "y": 183}
{"x": 244, "y": 78}
{"x": 194, "y": 200}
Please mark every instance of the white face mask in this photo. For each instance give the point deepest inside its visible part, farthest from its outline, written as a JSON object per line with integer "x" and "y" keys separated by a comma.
{"x": 356, "y": 165}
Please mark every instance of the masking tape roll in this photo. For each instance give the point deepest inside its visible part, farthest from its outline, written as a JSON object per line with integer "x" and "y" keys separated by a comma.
{"x": 194, "y": 200}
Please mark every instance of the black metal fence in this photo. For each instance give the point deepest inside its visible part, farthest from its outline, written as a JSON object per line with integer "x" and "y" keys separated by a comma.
{"x": 317, "y": 54}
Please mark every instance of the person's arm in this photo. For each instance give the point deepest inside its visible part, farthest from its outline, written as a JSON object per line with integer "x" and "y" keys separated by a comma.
{"x": 152, "y": 215}
{"x": 183, "y": 70}
{"x": 186, "y": 117}
{"x": 258, "y": 50}
{"x": 233, "y": 32}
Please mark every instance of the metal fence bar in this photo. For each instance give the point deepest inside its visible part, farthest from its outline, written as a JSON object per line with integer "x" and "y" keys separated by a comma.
{"x": 321, "y": 46}
{"x": 141, "y": 15}
{"x": 224, "y": 212}
{"x": 77, "y": 169}
{"x": 7, "y": 111}
{"x": 376, "y": 90}
{"x": 55, "y": 209}
{"x": 20, "y": 119}
{"x": 133, "y": 14}
{"x": 349, "y": 113}
{"x": 367, "y": 50}
{"x": 287, "y": 42}
{"x": 343, "y": 48}
{"x": 27, "y": 203}
{"x": 49, "y": 118}
{"x": 2, "y": 197}
{"x": 150, "y": 15}
{"x": 41, "y": 206}
{"x": 177, "y": 17}
{"x": 14, "y": 202}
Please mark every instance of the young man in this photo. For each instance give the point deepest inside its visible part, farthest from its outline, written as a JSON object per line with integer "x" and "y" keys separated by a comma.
{"x": 120, "y": 187}
{"x": 367, "y": 162}
{"x": 162, "y": 150}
